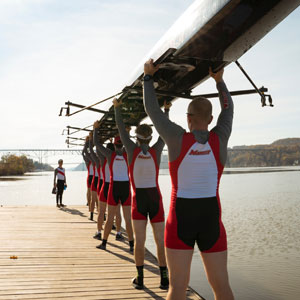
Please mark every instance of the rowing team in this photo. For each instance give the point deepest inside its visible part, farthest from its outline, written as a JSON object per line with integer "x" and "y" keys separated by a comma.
{"x": 125, "y": 173}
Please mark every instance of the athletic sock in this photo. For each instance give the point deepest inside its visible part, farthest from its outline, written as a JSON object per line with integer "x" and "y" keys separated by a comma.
{"x": 104, "y": 242}
{"x": 91, "y": 216}
{"x": 131, "y": 243}
{"x": 164, "y": 278}
{"x": 140, "y": 271}
{"x": 139, "y": 279}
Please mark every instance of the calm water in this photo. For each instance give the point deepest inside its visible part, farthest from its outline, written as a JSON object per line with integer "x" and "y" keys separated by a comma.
{"x": 261, "y": 213}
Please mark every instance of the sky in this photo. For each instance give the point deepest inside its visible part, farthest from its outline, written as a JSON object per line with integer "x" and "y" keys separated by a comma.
{"x": 82, "y": 51}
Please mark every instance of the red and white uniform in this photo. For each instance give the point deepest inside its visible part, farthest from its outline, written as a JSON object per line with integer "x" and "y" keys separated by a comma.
{"x": 119, "y": 180}
{"x": 195, "y": 176}
{"x": 144, "y": 172}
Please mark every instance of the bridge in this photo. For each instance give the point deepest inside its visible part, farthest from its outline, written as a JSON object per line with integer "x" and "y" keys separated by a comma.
{"x": 42, "y": 155}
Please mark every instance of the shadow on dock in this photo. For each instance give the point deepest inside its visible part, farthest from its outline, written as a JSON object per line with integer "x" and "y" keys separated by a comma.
{"x": 73, "y": 211}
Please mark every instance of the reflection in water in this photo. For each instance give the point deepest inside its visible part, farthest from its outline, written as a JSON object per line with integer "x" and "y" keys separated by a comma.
{"x": 11, "y": 178}
{"x": 260, "y": 212}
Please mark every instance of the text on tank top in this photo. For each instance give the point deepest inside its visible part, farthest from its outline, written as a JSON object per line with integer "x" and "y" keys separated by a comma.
{"x": 120, "y": 169}
{"x": 198, "y": 173}
{"x": 144, "y": 171}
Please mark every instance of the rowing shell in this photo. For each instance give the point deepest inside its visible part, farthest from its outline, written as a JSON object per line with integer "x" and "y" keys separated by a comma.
{"x": 209, "y": 33}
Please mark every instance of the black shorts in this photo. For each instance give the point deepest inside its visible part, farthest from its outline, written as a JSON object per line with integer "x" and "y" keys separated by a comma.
{"x": 90, "y": 179}
{"x": 106, "y": 188}
{"x": 147, "y": 202}
{"x": 94, "y": 184}
{"x": 119, "y": 193}
{"x": 198, "y": 220}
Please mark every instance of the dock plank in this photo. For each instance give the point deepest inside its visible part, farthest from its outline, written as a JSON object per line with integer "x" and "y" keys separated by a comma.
{"x": 57, "y": 258}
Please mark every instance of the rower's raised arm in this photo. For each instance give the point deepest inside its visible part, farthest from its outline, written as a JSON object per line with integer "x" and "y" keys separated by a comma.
{"x": 106, "y": 152}
{"x": 224, "y": 122}
{"x": 84, "y": 153}
{"x": 92, "y": 153}
{"x": 159, "y": 145}
{"x": 170, "y": 132}
{"x": 124, "y": 135}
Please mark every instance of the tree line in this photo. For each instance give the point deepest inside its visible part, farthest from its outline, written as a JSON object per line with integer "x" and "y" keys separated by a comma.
{"x": 18, "y": 165}
{"x": 284, "y": 152}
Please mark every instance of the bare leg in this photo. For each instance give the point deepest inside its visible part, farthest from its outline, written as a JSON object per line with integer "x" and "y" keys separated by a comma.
{"x": 118, "y": 218}
{"x": 100, "y": 221}
{"x": 127, "y": 218}
{"x": 94, "y": 200}
{"x": 139, "y": 227}
{"x": 179, "y": 264}
{"x": 111, "y": 211}
{"x": 158, "y": 232}
{"x": 97, "y": 203}
{"x": 88, "y": 197}
{"x": 216, "y": 271}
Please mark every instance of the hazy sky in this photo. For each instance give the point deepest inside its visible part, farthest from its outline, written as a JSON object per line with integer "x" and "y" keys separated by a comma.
{"x": 53, "y": 51}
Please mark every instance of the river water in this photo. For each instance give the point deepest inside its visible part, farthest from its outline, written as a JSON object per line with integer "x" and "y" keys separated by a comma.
{"x": 261, "y": 214}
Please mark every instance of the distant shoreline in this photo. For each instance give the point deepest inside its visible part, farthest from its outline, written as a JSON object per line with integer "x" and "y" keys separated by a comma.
{"x": 260, "y": 170}
{"x": 241, "y": 170}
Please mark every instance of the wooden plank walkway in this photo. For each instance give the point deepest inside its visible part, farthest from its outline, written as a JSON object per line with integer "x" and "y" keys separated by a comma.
{"x": 57, "y": 258}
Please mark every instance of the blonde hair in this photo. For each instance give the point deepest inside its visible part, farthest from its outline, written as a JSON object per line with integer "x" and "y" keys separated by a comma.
{"x": 144, "y": 130}
{"x": 202, "y": 107}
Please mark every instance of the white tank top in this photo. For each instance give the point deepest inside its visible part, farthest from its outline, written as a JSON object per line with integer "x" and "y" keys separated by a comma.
{"x": 91, "y": 169}
{"x": 120, "y": 169}
{"x": 198, "y": 173}
{"x": 60, "y": 173}
{"x": 144, "y": 171}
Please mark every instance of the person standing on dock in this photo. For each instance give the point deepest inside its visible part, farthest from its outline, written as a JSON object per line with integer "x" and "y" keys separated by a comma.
{"x": 94, "y": 184}
{"x": 88, "y": 162}
{"x": 103, "y": 193}
{"x": 144, "y": 162}
{"x": 196, "y": 162}
{"x": 119, "y": 189}
{"x": 60, "y": 184}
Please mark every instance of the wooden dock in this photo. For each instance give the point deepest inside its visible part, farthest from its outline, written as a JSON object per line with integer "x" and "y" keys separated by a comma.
{"x": 49, "y": 253}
